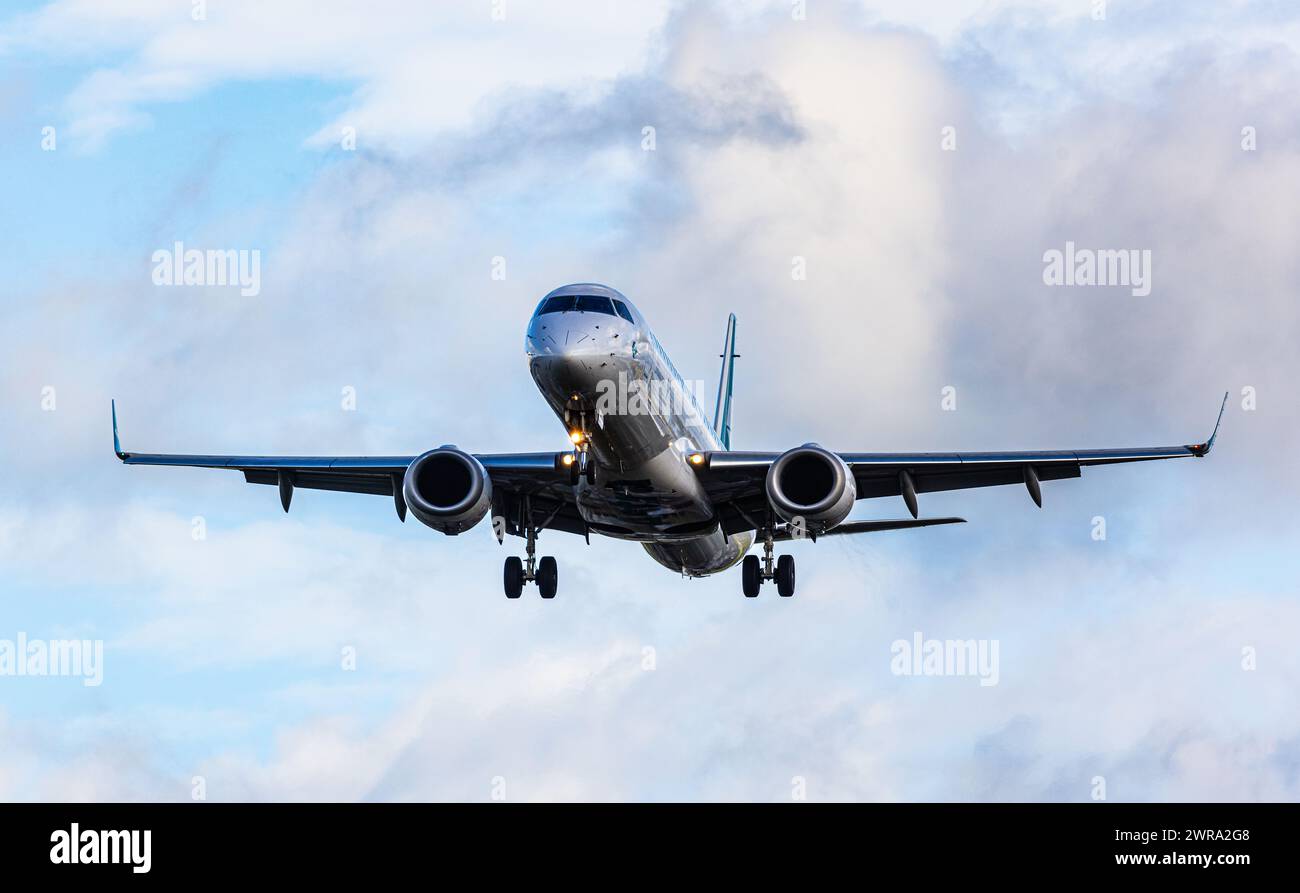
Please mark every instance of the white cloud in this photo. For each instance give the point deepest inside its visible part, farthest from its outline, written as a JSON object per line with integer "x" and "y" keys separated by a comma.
{"x": 391, "y": 53}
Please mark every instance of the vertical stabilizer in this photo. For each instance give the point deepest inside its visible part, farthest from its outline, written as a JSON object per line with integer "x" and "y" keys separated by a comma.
{"x": 722, "y": 413}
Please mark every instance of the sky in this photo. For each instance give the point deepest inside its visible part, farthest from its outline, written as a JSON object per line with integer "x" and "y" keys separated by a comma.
{"x": 386, "y": 159}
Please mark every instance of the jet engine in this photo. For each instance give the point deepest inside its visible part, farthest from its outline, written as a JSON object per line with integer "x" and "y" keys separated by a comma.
{"x": 812, "y": 484}
{"x": 447, "y": 489}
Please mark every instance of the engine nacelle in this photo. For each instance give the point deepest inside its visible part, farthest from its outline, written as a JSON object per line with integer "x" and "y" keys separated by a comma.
{"x": 813, "y": 484}
{"x": 447, "y": 489}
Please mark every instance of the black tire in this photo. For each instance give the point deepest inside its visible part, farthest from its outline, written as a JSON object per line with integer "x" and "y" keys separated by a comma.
{"x": 514, "y": 577}
{"x": 548, "y": 577}
{"x": 785, "y": 576}
{"x": 751, "y": 576}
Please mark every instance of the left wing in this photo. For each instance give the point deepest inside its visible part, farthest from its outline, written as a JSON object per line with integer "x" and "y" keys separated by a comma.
{"x": 521, "y": 482}
{"x": 735, "y": 480}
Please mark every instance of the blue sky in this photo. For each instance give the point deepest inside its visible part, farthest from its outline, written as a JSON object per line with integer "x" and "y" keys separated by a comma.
{"x": 775, "y": 138}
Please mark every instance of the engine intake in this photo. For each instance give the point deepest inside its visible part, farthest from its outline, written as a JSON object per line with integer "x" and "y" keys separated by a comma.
{"x": 812, "y": 484}
{"x": 447, "y": 489}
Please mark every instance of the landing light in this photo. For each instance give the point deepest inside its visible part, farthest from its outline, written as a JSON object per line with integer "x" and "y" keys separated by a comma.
{"x": 567, "y": 459}
{"x": 576, "y": 437}
{"x": 696, "y": 459}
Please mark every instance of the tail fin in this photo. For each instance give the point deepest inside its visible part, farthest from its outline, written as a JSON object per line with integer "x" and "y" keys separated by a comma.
{"x": 722, "y": 414}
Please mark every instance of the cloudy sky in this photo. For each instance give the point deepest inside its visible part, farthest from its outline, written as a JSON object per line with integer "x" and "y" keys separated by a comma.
{"x": 919, "y": 162}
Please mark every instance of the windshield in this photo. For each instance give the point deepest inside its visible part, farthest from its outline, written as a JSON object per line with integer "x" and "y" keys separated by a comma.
{"x": 581, "y": 303}
{"x": 595, "y": 304}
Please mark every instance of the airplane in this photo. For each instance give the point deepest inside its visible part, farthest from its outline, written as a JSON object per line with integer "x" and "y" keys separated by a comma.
{"x": 652, "y": 470}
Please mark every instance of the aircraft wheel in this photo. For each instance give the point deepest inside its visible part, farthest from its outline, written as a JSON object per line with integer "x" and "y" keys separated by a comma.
{"x": 785, "y": 575}
{"x": 548, "y": 576}
{"x": 514, "y": 577}
{"x": 750, "y": 576}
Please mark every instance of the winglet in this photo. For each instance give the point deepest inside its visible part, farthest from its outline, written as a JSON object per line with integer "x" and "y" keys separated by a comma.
{"x": 1203, "y": 449}
{"x": 117, "y": 444}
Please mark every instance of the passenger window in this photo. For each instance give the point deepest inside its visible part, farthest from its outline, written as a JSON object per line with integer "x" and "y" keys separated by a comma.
{"x": 623, "y": 311}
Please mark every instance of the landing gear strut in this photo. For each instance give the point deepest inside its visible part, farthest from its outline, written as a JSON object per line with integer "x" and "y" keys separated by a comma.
{"x": 545, "y": 573}
{"x": 581, "y": 466}
{"x": 753, "y": 573}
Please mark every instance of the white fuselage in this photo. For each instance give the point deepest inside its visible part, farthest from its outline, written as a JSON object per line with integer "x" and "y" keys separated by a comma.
{"x": 607, "y": 376}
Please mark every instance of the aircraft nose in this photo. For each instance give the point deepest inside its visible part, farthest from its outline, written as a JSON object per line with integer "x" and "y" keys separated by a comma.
{"x": 572, "y": 353}
{"x": 579, "y": 341}
{"x": 573, "y": 336}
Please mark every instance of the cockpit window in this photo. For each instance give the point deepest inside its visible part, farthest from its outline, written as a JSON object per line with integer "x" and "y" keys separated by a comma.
{"x": 557, "y": 304}
{"x": 594, "y": 304}
{"x": 623, "y": 311}
{"x": 583, "y": 303}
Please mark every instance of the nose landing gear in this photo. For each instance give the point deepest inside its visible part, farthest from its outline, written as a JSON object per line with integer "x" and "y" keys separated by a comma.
{"x": 753, "y": 573}
{"x": 581, "y": 466}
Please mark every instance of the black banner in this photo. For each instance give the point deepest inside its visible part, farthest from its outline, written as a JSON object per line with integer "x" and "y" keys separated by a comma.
{"x": 330, "y": 841}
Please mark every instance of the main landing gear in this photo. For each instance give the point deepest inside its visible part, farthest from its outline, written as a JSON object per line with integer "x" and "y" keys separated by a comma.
{"x": 544, "y": 573}
{"x": 753, "y": 572}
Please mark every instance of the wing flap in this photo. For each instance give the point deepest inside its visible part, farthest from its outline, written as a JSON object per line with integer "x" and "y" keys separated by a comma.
{"x": 958, "y": 476}
{"x": 378, "y": 485}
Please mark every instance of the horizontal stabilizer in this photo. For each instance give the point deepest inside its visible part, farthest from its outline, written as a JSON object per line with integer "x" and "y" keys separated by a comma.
{"x": 876, "y": 526}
